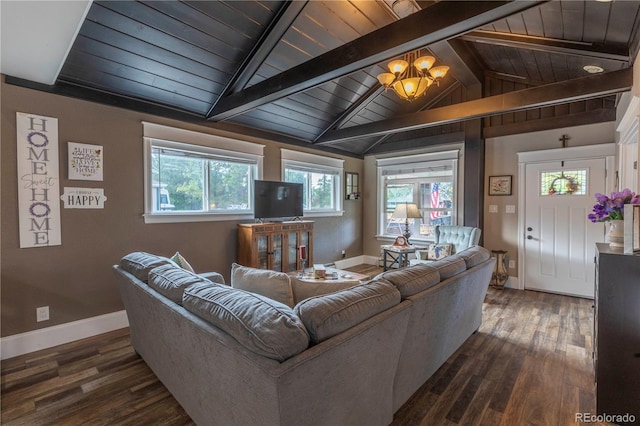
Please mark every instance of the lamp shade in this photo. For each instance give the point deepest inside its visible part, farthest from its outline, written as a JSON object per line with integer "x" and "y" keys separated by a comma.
{"x": 411, "y": 88}
{"x": 406, "y": 211}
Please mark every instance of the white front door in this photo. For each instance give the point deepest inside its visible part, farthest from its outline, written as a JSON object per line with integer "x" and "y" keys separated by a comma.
{"x": 559, "y": 240}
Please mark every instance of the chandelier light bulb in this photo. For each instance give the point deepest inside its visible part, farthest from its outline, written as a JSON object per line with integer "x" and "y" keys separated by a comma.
{"x": 386, "y": 79}
{"x": 423, "y": 63}
{"x": 439, "y": 72}
{"x": 398, "y": 66}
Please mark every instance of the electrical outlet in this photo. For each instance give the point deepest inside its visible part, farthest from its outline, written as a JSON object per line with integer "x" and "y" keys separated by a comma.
{"x": 512, "y": 264}
{"x": 42, "y": 313}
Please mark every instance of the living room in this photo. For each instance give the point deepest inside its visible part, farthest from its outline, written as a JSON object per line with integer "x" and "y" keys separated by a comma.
{"x": 74, "y": 279}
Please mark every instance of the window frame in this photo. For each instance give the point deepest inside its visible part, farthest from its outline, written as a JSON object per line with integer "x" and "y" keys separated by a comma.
{"x": 416, "y": 163}
{"x": 209, "y": 147}
{"x": 302, "y": 161}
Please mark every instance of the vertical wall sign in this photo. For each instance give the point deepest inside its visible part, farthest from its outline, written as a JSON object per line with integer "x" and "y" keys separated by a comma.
{"x": 38, "y": 180}
{"x": 85, "y": 161}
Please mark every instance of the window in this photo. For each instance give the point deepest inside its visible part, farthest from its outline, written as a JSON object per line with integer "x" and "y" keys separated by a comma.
{"x": 426, "y": 180}
{"x": 321, "y": 180}
{"x": 563, "y": 182}
{"x": 194, "y": 182}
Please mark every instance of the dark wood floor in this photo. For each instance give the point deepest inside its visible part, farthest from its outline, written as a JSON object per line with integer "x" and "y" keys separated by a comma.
{"x": 530, "y": 363}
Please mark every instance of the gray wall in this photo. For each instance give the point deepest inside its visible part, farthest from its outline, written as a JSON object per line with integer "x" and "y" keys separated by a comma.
{"x": 75, "y": 279}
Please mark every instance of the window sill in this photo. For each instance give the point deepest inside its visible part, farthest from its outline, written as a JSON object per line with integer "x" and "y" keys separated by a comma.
{"x": 323, "y": 214}
{"x": 194, "y": 217}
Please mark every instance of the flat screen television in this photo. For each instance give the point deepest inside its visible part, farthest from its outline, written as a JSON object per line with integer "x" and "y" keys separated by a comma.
{"x": 277, "y": 200}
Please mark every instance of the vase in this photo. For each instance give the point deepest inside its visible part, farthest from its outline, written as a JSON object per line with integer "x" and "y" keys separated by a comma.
{"x": 500, "y": 273}
{"x": 616, "y": 233}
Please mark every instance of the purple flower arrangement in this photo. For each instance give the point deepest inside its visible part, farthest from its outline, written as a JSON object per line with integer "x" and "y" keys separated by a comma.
{"x": 612, "y": 208}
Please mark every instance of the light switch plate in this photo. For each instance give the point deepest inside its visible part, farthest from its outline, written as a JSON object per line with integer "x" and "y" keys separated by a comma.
{"x": 493, "y": 208}
{"x": 510, "y": 208}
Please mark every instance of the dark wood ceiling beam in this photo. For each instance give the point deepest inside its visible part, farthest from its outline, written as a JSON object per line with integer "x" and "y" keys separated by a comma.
{"x": 463, "y": 65}
{"x": 416, "y": 143}
{"x": 353, "y": 110}
{"x": 570, "y": 120}
{"x": 441, "y": 21}
{"x": 274, "y": 32}
{"x": 613, "y": 53}
{"x": 591, "y": 86}
{"x": 432, "y": 101}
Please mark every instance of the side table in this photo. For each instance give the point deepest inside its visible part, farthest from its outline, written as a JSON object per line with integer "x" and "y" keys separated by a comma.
{"x": 398, "y": 255}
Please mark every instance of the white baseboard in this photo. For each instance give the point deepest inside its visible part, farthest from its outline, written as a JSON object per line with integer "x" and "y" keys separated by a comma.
{"x": 370, "y": 260}
{"x": 350, "y": 262}
{"x": 24, "y": 343}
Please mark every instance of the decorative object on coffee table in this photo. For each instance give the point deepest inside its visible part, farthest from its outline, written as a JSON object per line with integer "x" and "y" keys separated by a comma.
{"x": 500, "y": 275}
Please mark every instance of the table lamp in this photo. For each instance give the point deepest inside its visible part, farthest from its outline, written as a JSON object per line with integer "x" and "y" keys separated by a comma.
{"x": 406, "y": 211}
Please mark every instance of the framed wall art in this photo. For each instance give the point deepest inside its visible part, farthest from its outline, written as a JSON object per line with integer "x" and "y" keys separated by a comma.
{"x": 351, "y": 186}
{"x": 85, "y": 161}
{"x": 500, "y": 185}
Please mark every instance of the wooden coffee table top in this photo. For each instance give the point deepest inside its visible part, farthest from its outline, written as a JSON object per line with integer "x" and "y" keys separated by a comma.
{"x": 336, "y": 276}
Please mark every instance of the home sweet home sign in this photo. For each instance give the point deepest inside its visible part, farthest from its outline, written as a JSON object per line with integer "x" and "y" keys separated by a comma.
{"x": 38, "y": 180}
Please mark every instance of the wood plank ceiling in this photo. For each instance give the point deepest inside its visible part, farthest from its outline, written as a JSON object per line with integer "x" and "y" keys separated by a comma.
{"x": 304, "y": 72}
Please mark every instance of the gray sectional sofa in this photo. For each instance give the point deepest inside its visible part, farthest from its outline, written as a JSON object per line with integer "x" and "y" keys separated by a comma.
{"x": 352, "y": 357}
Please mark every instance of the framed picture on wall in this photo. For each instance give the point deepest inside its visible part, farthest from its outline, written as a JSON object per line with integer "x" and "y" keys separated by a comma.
{"x": 500, "y": 185}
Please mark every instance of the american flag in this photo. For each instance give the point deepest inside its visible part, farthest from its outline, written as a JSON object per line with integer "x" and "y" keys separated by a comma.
{"x": 435, "y": 200}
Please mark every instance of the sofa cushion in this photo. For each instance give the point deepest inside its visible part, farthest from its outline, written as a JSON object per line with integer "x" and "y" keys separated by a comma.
{"x": 415, "y": 279}
{"x": 271, "y": 284}
{"x": 140, "y": 263}
{"x": 439, "y": 251}
{"x": 182, "y": 262}
{"x": 330, "y": 314}
{"x": 258, "y": 323}
{"x": 171, "y": 281}
{"x": 450, "y": 266}
{"x": 474, "y": 255}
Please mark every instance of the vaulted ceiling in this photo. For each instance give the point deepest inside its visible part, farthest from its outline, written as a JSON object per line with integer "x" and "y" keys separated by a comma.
{"x": 305, "y": 72}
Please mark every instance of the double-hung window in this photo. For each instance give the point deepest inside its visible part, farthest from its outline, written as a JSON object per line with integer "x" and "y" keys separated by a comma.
{"x": 321, "y": 178}
{"x": 192, "y": 176}
{"x": 427, "y": 180}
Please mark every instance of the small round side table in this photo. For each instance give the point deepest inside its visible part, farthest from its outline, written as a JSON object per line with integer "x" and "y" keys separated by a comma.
{"x": 500, "y": 274}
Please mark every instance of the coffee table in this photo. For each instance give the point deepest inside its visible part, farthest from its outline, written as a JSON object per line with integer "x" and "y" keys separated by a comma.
{"x": 305, "y": 285}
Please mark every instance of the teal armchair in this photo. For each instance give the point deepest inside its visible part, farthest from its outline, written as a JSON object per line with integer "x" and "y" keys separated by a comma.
{"x": 460, "y": 237}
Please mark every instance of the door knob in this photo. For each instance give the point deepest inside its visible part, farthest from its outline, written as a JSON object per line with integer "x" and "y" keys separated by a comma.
{"x": 529, "y": 237}
{"x": 529, "y": 229}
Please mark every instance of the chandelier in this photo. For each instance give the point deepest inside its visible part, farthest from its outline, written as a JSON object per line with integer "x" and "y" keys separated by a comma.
{"x": 412, "y": 82}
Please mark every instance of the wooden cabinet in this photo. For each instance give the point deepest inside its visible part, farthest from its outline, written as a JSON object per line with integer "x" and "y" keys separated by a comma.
{"x": 616, "y": 332}
{"x": 274, "y": 245}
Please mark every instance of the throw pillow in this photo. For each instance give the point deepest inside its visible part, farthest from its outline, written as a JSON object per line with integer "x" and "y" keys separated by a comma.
{"x": 140, "y": 263}
{"x": 410, "y": 281}
{"x": 271, "y": 284}
{"x": 260, "y": 324}
{"x": 170, "y": 281}
{"x": 182, "y": 262}
{"x": 330, "y": 314}
{"x": 439, "y": 251}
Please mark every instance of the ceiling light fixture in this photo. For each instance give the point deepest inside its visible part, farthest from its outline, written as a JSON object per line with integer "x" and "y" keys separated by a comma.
{"x": 593, "y": 69}
{"x": 412, "y": 82}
